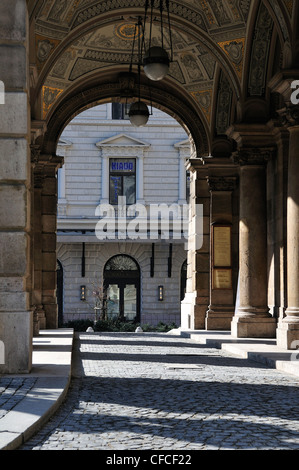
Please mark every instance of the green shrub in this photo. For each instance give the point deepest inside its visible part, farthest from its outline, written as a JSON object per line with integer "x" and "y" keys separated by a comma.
{"x": 117, "y": 326}
{"x": 79, "y": 325}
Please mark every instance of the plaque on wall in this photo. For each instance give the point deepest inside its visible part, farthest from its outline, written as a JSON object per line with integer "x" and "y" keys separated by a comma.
{"x": 222, "y": 257}
{"x": 222, "y": 278}
{"x": 222, "y": 246}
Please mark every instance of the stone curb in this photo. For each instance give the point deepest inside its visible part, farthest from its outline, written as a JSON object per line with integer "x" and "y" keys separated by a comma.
{"x": 52, "y": 359}
{"x": 262, "y": 350}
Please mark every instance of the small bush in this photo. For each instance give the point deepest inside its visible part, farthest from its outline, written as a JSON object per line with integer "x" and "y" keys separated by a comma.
{"x": 79, "y": 325}
{"x": 117, "y": 326}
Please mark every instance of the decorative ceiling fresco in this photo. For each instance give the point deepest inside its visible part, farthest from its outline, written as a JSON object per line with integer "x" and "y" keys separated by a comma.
{"x": 78, "y": 38}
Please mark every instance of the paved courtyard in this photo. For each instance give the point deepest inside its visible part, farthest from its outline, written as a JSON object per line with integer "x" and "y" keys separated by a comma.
{"x": 161, "y": 392}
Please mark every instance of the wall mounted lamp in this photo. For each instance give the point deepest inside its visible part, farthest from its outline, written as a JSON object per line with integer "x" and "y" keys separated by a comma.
{"x": 160, "y": 293}
{"x": 83, "y": 293}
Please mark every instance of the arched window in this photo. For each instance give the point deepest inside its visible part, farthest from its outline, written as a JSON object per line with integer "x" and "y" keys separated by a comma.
{"x": 183, "y": 279}
{"x": 121, "y": 263}
{"x": 122, "y": 287}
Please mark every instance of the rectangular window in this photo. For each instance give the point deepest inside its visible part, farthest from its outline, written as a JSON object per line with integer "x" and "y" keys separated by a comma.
{"x": 120, "y": 111}
{"x": 122, "y": 179}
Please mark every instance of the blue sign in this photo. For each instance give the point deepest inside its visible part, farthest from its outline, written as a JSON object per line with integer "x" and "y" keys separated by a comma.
{"x": 122, "y": 166}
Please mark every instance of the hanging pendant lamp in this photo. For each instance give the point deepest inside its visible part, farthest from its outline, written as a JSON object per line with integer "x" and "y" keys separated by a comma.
{"x": 156, "y": 61}
{"x": 138, "y": 112}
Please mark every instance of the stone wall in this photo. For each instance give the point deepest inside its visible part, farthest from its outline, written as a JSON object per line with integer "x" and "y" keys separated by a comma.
{"x": 96, "y": 256}
{"x": 15, "y": 190}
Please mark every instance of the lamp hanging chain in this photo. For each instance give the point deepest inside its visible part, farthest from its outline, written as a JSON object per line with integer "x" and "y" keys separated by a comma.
{"x": 169, "y": 29}
{"x": 133, "y": 49}
{"x": 144, "y": 24}
{"x": 139, "y": 59}
{"x": 151, "y": 24}
{"x": 162, "y": 32}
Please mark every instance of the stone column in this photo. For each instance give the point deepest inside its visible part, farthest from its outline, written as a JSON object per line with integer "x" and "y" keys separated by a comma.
{"x": 277, "y": 186}
{"x": 182, "y": 180}
{"x": 39, "y": 320}
{"x": 105, "y": 180}
{"x": 252, "y": 318}
{"x": 15, "y": 180}
{"x": 288, "y": 327}
{"x": 140, "y": 180}
{"x": 196, "y": 301}
{"x": 221, "y": 308}
{"x": 49, "y": 237}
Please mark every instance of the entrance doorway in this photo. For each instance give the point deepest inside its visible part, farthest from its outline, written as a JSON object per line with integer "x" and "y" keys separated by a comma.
{"x": 122, "y": 288}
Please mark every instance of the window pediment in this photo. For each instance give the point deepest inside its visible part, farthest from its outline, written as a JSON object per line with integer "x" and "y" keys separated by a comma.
{"x": 122, "y": 140}
{"x": 122, "y": 145}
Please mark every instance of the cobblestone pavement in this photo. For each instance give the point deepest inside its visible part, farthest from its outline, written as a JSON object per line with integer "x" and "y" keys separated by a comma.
{"x": 160, "y": 392}
{"x": 12, "y": 391}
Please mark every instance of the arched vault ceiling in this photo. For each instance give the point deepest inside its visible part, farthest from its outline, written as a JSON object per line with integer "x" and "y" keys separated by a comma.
{"x": 74, "y": 39}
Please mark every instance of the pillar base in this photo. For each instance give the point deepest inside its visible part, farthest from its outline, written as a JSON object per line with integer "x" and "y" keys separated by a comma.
{"x": 288, "y": 334}
{"x": 219, "y": 318}
{"x": 193, "y": 313}
{"x": 16, "y": 342}
{"x": 255, "y": 327}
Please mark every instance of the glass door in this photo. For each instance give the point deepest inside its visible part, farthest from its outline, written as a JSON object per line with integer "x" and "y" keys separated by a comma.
{"x": 122, "y": 287}
{"x": 130, "y": 302}
{"x": 122, "y": 300}
{"x": 113, "y": 302}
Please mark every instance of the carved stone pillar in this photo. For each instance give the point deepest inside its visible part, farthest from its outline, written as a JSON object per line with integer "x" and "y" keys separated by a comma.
{"x": 49, "y": 250}
{"x": 39, "y": 318}
{"x": 221, "y": 308}
{"x": 195, "y": 303}
{"x": 288, "y": 327}
{"x": 252, "y": 318}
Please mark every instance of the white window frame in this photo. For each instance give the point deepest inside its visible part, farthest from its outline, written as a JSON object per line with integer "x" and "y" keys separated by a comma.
{"x": 122, "y": 151}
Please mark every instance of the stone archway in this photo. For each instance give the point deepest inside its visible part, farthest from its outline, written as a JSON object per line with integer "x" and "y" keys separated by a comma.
{"x": 30, "y": 50}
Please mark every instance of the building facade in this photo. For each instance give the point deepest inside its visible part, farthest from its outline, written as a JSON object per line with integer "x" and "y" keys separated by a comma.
{"x": 143, "y": 272}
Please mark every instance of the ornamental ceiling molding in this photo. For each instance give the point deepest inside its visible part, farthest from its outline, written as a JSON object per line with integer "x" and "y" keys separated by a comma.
{"x": 289, "y": 5}
{"x": 175, "y": 8}
{"x": 280, "y": 18}
{"x": 223, "y": 106}
{"x": 235, "y": 49}
{"x": 51, "y": 50}
{"x": 260, "y": 52}
{"x": 71, "y": 106}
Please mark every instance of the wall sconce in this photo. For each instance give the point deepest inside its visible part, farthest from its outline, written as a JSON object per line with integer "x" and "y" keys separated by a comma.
{"x": 160, "y": 293}
{"x": 83, "y": 292}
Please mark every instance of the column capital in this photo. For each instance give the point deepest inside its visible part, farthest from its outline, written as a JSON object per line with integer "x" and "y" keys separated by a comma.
{"x": 221, "y": 183}
{"x": 253, "y": 156}
{"x": 38, "y": 158}
{"x": 35, "y": 154}
{"x": 194, "y": 164}
{"x": 282, "y": 83}
{"x": 289, "y": 116}
{"x": 44, "y": 165}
